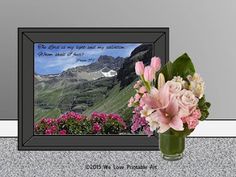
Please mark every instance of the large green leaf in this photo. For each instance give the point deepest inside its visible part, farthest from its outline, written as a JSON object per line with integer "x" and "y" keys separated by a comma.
{"x": 183, "y": 66}
{"x": 166, "y": 70}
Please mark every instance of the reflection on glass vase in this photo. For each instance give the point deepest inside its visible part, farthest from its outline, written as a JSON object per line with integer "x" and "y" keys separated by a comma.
{"x": 171, "y": 146}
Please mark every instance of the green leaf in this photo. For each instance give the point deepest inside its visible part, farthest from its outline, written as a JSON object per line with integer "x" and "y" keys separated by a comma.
{"x": 205, "y": 114}
{"x": 204, "y": 106}
{"x": 202, "y": 101}
{"x": 208, "y": 105}
{"x": 183, "y": 133}
{"x": 146, "y": 83}
{"x": 183, "y": 66}
{"x": 166, "y": 70}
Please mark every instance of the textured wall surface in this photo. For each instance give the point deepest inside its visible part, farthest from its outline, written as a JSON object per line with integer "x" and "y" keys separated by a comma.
{"x": 204, "y": 157}
{"x": 204, "y": 29}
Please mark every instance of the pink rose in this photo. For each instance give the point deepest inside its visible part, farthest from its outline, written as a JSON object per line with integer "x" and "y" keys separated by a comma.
{"x": 156, "y": 63}
{"x": 139, "y": 68}
{"x": 175, "y": 87}
{"x": 149, "y": 73}
{"x": 197, "y": 113}
{"x": 193, "y": 119}
{"x": 187, "y": 102}
{"x": 192, "y": 122}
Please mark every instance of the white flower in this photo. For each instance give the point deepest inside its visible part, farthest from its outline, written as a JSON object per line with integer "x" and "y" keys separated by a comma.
{"x": 146, "y": 111}
{"x": 175, "y": 87}
{"x": 152, "y": 122}
{"x": 181, "y": 81}
{"x": 196, "y": 85}
{"x": 161, "y": 81}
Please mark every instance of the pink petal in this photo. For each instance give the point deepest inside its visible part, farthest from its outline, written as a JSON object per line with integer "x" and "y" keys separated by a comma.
{"x": 163, "y": 128}
{"x": 164, "y": 95}
{"x": 176, "y": 123}
{"x": 173, "y": 107}
{"x": 154, "y": 115}
{"x": 161, "y": 117}
{"x": 149, "y": 73}
{"x": 142, "y": 89}
{"x": 154, "y": 93}
{"x": 139, "y": 68}
{"x": 150, "y": 101}
{"x": 156, "y": 63}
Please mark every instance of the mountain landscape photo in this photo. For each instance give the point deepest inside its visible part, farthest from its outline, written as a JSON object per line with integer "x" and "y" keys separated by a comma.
{"x": 103, "y": 85}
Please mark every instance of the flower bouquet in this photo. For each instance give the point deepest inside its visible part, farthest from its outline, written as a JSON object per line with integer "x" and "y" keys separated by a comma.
{"x": 170, "y": 101}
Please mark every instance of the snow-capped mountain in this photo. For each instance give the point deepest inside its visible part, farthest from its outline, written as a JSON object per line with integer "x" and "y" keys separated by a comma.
{"x": 105, "y": 66}
{"x": 110, "y": 73}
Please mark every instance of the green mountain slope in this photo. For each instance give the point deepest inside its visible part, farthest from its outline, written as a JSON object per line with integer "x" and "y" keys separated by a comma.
{"x": 51, "y": 101}
{"x": 115, "y": 102}
{"x": 59, "y": 101}
{"x": 39, "y": 113}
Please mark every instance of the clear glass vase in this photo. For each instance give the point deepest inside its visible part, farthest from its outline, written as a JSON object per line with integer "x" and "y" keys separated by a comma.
{"x": 171, "y": 146}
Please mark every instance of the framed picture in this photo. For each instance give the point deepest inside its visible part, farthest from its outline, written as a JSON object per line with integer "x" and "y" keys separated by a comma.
{"x": 74, "y": 85}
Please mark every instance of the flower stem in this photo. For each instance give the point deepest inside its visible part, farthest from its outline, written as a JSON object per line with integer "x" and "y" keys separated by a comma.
{"x": 146, "y": 84}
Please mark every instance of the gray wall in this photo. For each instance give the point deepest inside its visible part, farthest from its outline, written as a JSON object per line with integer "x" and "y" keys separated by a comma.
{"x": 204, "y": 29}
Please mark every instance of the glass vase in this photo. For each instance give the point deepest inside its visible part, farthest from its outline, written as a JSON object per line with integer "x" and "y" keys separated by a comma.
{"x": 171, "y": 146}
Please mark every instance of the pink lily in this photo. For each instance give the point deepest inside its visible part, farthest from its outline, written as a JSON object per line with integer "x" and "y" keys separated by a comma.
{"x": 166, "y": 109}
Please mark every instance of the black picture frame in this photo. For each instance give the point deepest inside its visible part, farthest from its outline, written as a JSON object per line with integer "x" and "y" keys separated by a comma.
{"x": 158, "y": 37}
